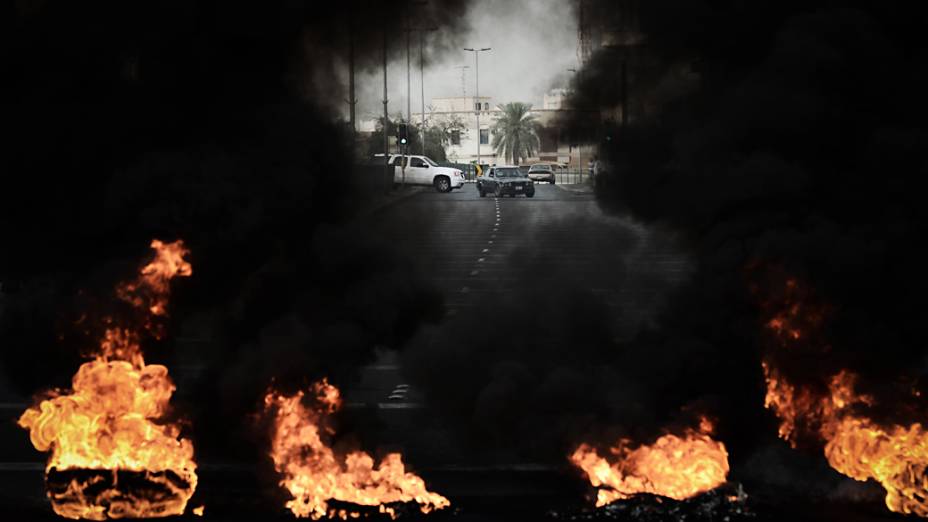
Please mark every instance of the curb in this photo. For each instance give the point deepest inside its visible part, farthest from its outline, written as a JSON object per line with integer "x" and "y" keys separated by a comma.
{"x": 583, "y": 191}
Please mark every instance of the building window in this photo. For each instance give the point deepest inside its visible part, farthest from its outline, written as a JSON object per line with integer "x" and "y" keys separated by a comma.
{"x": 484, "y": 136}
{"x": 455, "y": 137}
{"x": 486, "y": 106}
{"x": 476, "y": 106}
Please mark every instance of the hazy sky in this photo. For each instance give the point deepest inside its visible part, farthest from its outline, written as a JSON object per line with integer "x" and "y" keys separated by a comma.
{"x": 534, "y": 42}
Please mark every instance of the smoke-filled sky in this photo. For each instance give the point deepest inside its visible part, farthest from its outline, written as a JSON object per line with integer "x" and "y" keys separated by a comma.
{"x": 533, "y": 44}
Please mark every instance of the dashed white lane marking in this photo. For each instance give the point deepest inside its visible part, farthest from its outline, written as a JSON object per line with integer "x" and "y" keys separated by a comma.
{"x": 481, "y": 260}
{"x": 474, "y": 272}
{"x": 384, "y": 405}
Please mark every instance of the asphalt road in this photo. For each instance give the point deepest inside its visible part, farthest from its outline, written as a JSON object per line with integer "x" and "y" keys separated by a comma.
{"x": 468, "y": 248}
{"x": 464, "y": 246}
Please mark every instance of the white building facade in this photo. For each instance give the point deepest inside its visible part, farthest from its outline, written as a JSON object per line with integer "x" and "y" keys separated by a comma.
{"x": 464, "y": 145}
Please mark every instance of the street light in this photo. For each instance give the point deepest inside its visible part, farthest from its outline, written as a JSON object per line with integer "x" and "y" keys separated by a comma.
{"x": 477, "y": 89}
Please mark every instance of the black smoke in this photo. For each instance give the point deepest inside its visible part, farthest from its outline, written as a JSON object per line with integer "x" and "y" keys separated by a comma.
{"x": 218, "y": 123}
{"x": 785, "y": 141}
{"x": 541, "y": 359}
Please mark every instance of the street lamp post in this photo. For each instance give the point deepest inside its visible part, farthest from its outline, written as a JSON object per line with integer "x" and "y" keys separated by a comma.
{"x": 386, "y": 117}
{"x": 405, "y": 146}
{"x": 422, "y": 87}
{"x": 579, "y": 146}
{"x": 409, "y": 29}
{"x": 477, "y": 90}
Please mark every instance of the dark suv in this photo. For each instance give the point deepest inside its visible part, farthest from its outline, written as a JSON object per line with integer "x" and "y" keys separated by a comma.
{"x": 502, "y": 181}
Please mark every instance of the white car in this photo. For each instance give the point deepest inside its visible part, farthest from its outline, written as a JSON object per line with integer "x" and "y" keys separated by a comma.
{"x": 421, "y": 170}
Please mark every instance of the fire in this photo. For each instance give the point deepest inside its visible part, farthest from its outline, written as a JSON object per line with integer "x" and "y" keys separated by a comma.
{"x": 677, "y": 467}
{"x": 895, "y": 456}
{"x": 108, "y": 429}
{"x": 313, "y": 474}
{"x": 150, "y": 291}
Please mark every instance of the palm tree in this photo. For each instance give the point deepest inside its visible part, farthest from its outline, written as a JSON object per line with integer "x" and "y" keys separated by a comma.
{"x": 515, "y": 133}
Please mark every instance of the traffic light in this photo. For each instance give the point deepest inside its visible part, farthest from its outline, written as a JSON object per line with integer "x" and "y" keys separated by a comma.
{"x": 402, "y": 133}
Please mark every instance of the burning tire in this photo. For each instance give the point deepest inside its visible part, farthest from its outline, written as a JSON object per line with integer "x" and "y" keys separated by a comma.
{"x": 100, "y": 494}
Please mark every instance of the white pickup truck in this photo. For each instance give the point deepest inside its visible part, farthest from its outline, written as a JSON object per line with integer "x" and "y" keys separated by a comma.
{"x": 420, "y": 170}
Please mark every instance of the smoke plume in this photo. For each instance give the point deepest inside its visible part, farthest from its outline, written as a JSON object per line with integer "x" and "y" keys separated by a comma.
{"x": 785, "y": 142}
{"x": 217, "y": 123}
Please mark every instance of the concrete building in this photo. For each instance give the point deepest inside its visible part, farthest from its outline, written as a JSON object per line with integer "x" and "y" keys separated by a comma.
{"x": 554, "y": 99}
{"x": 463, "y": 147}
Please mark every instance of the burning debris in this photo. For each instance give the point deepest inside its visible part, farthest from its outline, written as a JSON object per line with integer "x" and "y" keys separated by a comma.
{"x": 315, "y": 476}
{"x": 727, "y": 502}
{"x": 112, "y": 454}
{"x": 677, "y": 467}
{"x": 856, "y": 445}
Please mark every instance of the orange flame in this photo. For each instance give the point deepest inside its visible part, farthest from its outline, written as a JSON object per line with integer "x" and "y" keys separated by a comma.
{"x": 150, "y": 291}
{"x": 673, "y": 466}
{"x": 314, "y": 475}
{"x": 109, "y": 420}
{"x": 895, "y": 456}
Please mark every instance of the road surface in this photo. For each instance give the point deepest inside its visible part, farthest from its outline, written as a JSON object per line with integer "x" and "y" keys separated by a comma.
{"x": 470, "y": 249}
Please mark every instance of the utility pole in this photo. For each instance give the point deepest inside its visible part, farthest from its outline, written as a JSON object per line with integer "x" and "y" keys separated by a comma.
{"x": 584, "y": 45}
{"x": 625, "y": 92}
{"x": 386, "y": 143}
{"x": 408, "y": 97}
{"x": 409, "y": 83}
{"x": 422, "y": 86}
{"x": 579, "y": 145}
{"x": 478, "y": 106}
{"x": 352, "y": 100}
{"x": 627, "y": 39}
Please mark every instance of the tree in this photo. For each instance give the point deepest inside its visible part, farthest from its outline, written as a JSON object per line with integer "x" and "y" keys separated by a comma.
{"x": 437, "y": 136}
{"x": 515, "y": 133}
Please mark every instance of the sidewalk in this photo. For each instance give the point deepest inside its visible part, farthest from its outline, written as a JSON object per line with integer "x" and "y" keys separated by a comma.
{"x": 578, "y": 188}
